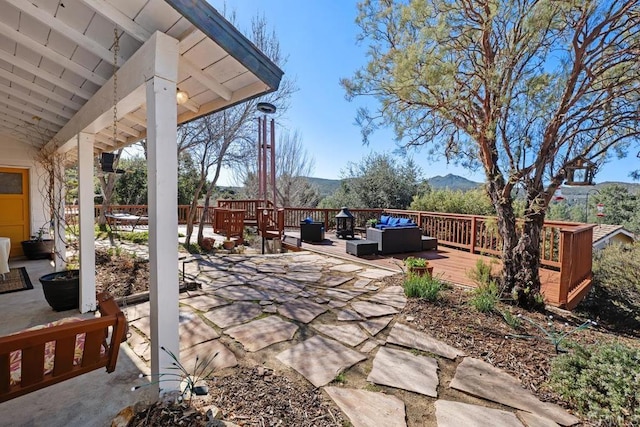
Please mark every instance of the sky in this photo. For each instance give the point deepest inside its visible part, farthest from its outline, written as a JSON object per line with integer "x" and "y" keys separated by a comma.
{"x": 320, "y": 39}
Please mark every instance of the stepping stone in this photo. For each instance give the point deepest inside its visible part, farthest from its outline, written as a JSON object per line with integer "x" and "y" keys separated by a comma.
{"x": 368, "y": 408}
{"x": 346, "y": 268}
{"x": 277, "y": 284}
{"x": 393, "y": 296}
{"x": 271, "y": 269}
{"x": 480, "y": 379}
{"x": 302, "y": 310}
{"x": 139, "y": 345}
{"x": 347, "y": 315}
{"x": 373, "y": 326}
{"x": 234, "y": 314}
{"x": 306, "y": 268}
{"x": 406, "y": 336}
{"x": 205, "y": 302}
{"x": 343, "y": 294}
{"x": 456, "y": 414}
{"x": 368, "y": 346}
{"x": 376, "y": 273}
{"x": 369, "y": 309}
{"x": 241, "y": 293}
{"x": 261, "y": 333}
{"x": 533, "y": 420}
{"x": 134, "y": 312}
{"x": 337, "y": 304}
{"x": 332, "y": 282}
{"x": 224, "y": 358}
{"x": 304, "y": 277}
{"x": 320, "y": 359}
{"x": 270, "y": 309}
{"x": 401, "y": 369}
{"x": 265, "y": 302}
{"x": 349, "y": 334}
{"x": 361, "y": 283}
{"x": 193, "y": 330}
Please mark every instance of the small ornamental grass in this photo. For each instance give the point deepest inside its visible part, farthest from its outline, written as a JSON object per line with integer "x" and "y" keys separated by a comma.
{"x": 426, "y": 287}
{"x": 485, "y": 297}
{"x": 601, "y": 382}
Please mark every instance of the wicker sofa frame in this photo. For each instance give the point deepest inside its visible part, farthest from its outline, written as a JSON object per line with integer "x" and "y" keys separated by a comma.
{"x": 392, "y": 240}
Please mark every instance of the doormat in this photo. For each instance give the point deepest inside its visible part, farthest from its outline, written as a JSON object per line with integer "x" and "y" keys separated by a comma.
{"x": 15, "y": 280}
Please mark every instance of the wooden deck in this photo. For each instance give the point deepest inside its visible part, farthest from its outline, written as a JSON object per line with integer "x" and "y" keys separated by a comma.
{"x": 449, "y": 264}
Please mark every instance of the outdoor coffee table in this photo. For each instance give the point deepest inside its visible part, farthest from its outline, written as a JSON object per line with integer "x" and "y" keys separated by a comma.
{"x": 362, "y": 247}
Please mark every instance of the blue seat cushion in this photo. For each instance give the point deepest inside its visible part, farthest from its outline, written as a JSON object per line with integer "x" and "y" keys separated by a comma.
{"x": 384, "y": 219}
{"x": 404, "y": 221}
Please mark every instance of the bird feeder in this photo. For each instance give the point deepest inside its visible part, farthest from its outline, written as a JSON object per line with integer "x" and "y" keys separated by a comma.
{"x": 600, "y": 208}
{"x": 344, "y": 223}
{"x": 581, "y": 173}
{"x": 557, "y": 195}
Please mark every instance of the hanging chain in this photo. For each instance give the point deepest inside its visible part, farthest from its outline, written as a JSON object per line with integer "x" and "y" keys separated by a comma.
{"x": 116, "y": 50}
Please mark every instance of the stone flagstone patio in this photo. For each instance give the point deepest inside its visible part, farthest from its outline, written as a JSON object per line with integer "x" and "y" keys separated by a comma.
{"x": 324, "y": 316}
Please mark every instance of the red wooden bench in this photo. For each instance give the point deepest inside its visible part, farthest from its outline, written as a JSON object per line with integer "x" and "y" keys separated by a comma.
{"x": 69, "y": 349}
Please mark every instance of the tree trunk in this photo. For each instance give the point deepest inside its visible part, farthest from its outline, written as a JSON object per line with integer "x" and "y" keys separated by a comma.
{"x": 191, "y": 214}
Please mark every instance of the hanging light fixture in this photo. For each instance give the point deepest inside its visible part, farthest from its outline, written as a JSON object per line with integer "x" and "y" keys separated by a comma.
{"x": 182, "y": 97}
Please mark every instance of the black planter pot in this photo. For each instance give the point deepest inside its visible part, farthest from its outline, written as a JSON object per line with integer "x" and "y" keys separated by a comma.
{"x": 62, "y": 289}
{"x": 37, "y": 249}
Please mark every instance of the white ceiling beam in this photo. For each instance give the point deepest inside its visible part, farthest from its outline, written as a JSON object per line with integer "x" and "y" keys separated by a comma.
{"x": 54, "y": 56}
{"x": 107, "y": 142}
{"x": 136, "y": 119}
{"x": 191, "y": 106}
{"x": 65, "y": 30}
{"x": 44, "y": 75}
{"x": 208, "y": 81}
{"x": 148, "y": 61}
{"x": 34, "y": 87}
{"x": 126, "y": 129}
{"x": 51, "y": 118}
{"x": 114, "y": 15}
{"x": 42, "y": 130}
{"x": 108, "y": 133}
{"x": 31, "y": 100}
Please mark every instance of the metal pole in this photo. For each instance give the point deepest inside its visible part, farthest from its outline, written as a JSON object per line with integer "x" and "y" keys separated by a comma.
{"x": 259, "y": 177}
{"x": 586, "y": 209}
{"x": 264, "y": 158}
{"x": 273, "y": 161}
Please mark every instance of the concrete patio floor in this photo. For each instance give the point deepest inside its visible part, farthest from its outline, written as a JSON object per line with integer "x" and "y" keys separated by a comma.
{"x": 301, "y": 314}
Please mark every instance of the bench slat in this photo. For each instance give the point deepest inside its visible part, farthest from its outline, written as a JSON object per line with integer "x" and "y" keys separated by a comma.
{"x": 65, "y": 352}
{"x": 32, "y": 364}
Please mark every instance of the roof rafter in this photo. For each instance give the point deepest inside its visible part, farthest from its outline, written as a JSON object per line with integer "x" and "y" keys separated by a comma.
{"x": 129, "y": 26}
{"x": 34, "y": 87}
{"x": 51, "y": 54}
{"x": 65, "y": 30}
{"x": 31, "y": 100}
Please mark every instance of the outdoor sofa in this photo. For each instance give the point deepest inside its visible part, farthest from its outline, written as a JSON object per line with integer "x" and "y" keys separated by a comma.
{"x": 395, "y": 235}
{"x": 48, "y": 354}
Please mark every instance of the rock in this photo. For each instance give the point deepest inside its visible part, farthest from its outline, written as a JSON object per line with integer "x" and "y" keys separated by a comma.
{"x": 124, "y": 417}
{"x": 213, "y": 412}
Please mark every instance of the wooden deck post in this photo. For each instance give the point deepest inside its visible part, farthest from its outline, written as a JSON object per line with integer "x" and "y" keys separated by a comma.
{"x": 474, "y": 230}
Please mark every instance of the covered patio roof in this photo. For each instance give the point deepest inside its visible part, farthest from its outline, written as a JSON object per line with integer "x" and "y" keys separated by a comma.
{"x": 57, "y": 63}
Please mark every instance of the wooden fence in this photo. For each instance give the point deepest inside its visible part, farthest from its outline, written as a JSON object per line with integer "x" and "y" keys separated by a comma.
{"x": 565, "y": 246}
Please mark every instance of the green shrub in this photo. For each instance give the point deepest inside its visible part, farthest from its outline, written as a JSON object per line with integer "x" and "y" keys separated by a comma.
{"x": 485, "y": 297}
{"x": 426, "y": 287}
{"x": 615, "y": 297}
{"x": 513, "y": 321}
{"x": 601, "y": 382}
{"x": 140, "y": 237}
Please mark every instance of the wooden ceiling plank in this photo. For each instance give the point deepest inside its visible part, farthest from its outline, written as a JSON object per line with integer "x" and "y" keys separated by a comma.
{"x": 65, "y": 62}
{"x": 189, "y": 40}
{"x": 207, "y": 80}
{"x": 26, "y": 98}
{"x": 114, "y": 15}
{"x": 29, "y": 85}
{"x": 44, "y": 115}
{"x": 69, "y": 32}
{"x": 127, "y": 129}
{"x": 136, "y": 119}
{"x": 44, "y": 75}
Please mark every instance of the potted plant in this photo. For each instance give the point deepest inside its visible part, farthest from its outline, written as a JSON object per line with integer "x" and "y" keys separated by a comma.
{"x": 418, "y": 266}
{"x": 372, "y": 222}
{"x": 228, "y": 244}
{"x": 37, "y": 247}
{"x": 62, "y": 289}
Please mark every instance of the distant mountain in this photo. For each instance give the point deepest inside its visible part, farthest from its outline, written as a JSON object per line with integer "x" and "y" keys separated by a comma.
{"x": 452, "y": 182}
{"x": 326, "y": 187}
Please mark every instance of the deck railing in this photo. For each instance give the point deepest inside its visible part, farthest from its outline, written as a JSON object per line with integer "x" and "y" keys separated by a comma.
{"x": 565, "y": 246}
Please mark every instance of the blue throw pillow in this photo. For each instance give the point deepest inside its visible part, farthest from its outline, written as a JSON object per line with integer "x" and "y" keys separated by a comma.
{"x": 404, "y": 221}
{"x": 384, "y": 219}
{"x": 308, "y": 220}
{"x": 393, "y": 221}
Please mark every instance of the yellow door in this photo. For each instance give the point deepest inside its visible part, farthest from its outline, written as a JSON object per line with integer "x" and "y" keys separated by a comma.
{"x": 14, "y": 207}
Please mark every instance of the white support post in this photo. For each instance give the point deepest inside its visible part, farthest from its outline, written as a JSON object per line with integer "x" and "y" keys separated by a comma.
{"x": 162, "y": 164}
{"x": 86, "y": 222}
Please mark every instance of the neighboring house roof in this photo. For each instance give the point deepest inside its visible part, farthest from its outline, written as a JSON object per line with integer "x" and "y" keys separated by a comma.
{"x": 604, "y": 232}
